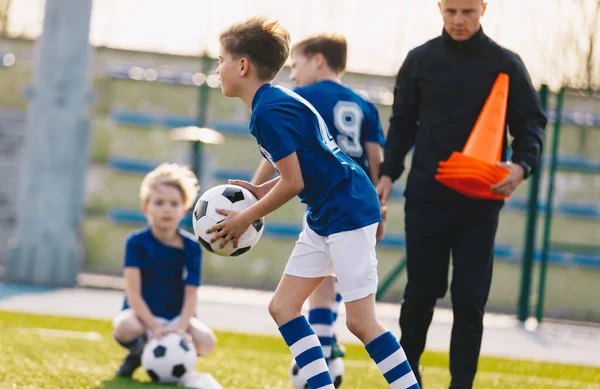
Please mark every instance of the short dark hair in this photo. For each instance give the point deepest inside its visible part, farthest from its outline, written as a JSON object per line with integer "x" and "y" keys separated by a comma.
{"x": 333, "y": 47}
{"x": 265, "y": 42}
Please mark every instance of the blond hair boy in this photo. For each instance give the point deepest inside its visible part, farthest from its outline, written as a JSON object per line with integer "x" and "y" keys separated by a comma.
{"x": 162, "y": 269}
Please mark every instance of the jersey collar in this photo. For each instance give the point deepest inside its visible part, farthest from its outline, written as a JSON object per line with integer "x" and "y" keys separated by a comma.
{"x": 259, "y": 91}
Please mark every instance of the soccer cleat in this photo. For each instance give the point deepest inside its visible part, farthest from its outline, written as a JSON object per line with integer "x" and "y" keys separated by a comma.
{"x": 130, "y": 363}
{"x": 337, "y": 350}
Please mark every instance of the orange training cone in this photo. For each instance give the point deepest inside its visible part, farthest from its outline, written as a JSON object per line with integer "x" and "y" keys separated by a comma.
{"x": 474, "y": 170}
{"x": 485, "y": 141}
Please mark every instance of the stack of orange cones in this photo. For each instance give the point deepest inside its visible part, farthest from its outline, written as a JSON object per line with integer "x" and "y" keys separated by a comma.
{"x": 474, "y": 170}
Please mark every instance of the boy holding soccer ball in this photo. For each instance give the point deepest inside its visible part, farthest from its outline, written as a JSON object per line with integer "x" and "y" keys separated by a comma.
{"x": 343, "y": 207}
{"x": 162, "y": 270}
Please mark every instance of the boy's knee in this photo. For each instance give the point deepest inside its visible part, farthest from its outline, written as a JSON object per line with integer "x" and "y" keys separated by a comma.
{"x": 274, "y": 310}
{"x": 282, "y": 311}
{"x": 205, "y": 343}
{"x": 365, "y": 326}
{"x": 128, "y": 327}
{"x": 204, "y": 338}
{"x": 358, "y": 326}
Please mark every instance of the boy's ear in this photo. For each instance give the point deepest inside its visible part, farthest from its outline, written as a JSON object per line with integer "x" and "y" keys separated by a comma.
{"x": 244, "y": 66}
{"x": 319, "y": 60}
{"x": 144, "y": 207}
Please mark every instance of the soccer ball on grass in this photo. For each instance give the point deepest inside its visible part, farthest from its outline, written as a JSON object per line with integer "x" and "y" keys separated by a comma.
{"x": 170, "y": 359}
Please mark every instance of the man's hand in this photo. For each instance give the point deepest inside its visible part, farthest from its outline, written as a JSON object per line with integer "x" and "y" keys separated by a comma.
{"x": 515, "y": 176}
{"x": 384, "y": 189}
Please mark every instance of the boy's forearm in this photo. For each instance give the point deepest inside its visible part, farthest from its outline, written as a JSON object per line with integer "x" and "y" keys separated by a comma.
{"x": 270, "y": 184}
{"x": 189, "y": 306}
{"x": 142, "y": 311}
{"x": 263, "y": 173}
{"x": 280, "y": 192}
{"x": 374, "y": 153}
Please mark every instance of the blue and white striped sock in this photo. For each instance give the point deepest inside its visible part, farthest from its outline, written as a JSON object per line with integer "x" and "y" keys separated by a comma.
{"x": 321, "y": 320}
{"x": 336, "y": 306}
{"x": 305, "y": 347}
{"x": 387, "y": 353}
{"x": 334, "y": 311}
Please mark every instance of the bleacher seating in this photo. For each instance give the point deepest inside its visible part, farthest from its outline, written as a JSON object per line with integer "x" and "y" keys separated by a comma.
{"x": 396, "y": 241}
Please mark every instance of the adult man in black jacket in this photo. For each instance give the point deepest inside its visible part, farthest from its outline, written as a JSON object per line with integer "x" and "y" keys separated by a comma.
{"x": 440, "y": 91}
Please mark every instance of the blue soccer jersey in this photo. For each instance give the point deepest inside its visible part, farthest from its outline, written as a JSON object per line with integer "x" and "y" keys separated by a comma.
{"x": 352, "y": 120}
{"x": 165, "y": 270}
{"x": 338, "y": 193}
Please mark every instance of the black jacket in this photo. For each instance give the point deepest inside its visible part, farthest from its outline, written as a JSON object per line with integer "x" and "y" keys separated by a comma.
{"x": 440, "y": 91}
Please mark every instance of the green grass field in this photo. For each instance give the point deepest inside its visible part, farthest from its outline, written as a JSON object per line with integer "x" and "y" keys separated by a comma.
{"x": 31, "y": 357}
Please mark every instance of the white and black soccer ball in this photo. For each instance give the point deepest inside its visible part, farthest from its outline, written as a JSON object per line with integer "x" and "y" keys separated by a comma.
{"x": 336, "y": 370}
{"x": 169, "y": 360}
{"x": 205, "y": 216}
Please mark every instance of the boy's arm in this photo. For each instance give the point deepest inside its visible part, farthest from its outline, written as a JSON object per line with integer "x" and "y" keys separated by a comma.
{"x": 374, "y": 152}
{"x": 133, "y": 290}
{"x": 190, "y": 301}
{"x": 193, "y": 264}
{"x": 286, "y": 187}
{"x": 278, "y": 191}
{"x": 374, "y": 157}
{"x": 263, "y": 173}
{"x": 259, "y": 191}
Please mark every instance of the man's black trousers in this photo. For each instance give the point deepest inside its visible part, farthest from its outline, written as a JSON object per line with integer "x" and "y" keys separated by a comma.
{"x": 434, "y": 230}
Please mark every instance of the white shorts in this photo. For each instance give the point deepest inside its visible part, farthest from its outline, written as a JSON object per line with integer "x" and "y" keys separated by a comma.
{"x": 129, "y": 313}
{"x": 349, "y": 255}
